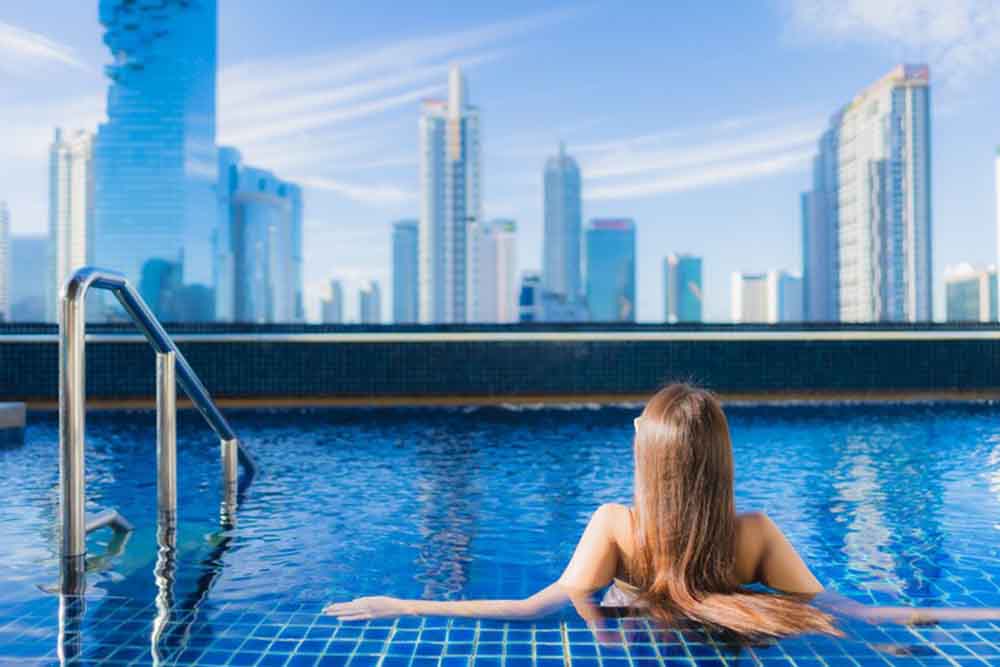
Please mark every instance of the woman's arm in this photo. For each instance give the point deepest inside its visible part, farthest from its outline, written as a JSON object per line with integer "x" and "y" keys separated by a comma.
{"x": 779, "y": 566}
{"x": 592, "y": 567}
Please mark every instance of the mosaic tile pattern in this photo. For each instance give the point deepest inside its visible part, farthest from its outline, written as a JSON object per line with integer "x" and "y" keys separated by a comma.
{"x": 117, "y": 632}
{"x": 255, "y": 369}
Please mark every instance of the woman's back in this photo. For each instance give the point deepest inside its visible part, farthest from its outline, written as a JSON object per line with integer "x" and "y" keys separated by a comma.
{"x": 755, "y": 540}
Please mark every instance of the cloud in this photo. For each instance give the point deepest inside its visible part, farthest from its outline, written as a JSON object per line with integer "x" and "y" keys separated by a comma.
{"x": 317, "y": 119}
{"x": 958, "y": 38}
{"x": 626, "y": 162}
{"x": 19, "y": 46}
{"x": 703, "y": 176}
{"x": 252, "y": 80}
{"x": 381, "y": 194}
{"x": 275, "y": 110}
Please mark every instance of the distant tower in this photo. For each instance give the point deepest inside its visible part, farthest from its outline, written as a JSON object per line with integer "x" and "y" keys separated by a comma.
{"x": 766, "y": 298}
{"x": 451, "y": 205}
{"x": 997, "y": 193}
{"x": 882, "y": 147}
{"x": 259, "y": 273}
{"x": 5, "y": 262}
{"x": 405, "y": 272}
{"x": 820, "y": 228}
{"x": 155, "y": 157}
{"x": 333, "y": 308}
{"x": 561, "y": 274}
{"x": 497, "y": 280}
{"x": 370, "y": 304}
{"x": 970, "y": 294}
{"x": 611, "y": 270}
{"x": 71, "y": 207}
{"x": 682, "y": 288}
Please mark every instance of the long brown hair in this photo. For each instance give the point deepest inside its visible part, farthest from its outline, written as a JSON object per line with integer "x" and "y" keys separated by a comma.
{"x": 685, "y": 524}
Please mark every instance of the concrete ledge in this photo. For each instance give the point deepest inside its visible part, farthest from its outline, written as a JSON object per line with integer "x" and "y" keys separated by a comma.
{"x": 12, "y": 424}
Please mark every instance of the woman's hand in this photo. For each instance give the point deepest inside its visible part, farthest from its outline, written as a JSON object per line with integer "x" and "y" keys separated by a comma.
{"x": 361, "y": 609}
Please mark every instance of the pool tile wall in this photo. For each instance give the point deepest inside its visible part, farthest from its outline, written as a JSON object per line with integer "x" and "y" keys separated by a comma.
{"x": 373, "y": 365}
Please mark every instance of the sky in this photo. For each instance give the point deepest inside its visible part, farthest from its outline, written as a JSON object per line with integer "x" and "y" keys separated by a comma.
{"x": 697, "y": 120}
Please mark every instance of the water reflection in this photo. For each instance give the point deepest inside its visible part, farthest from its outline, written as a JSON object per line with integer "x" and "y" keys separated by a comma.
{"x": 447, "y": 508}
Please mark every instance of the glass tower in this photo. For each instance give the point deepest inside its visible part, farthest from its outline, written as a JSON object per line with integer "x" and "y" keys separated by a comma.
{"x": 259, "y": 245}
{"x": 370, "y": 304}
{"x": 819, "y": 213}
{"x": 405, "y": 272}
{"x": 883, "y": 202}
{"x": 611, "y": 270}
{"x": 561, "y": 240}
{"x": 5, "y": 262}
{"x": 682, "y": 288}
{"x": 71, "y": 201}
{"x": 451, "y": 205}
{"x": 333, "y": 308}
{"x": 155, "y": 157}
{"x": 497, "y": 281}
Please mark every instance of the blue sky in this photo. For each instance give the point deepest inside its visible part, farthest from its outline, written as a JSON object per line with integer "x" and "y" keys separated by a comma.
{"x": 696, "y": 119}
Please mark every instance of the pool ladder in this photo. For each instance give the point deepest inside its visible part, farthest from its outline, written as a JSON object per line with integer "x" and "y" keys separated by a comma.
{"x": 171, "y": 368}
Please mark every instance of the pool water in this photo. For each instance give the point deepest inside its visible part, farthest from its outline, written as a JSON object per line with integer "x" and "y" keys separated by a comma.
{"x": 889, "y": 504}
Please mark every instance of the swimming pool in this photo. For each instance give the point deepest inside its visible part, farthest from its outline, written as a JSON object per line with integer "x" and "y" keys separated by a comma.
{"x": 894, "y": 504}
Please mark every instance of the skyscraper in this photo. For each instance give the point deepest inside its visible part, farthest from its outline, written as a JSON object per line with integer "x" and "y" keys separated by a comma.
{"x": 260, "y": 242}
{"x": 27, "y": 293}
{"x": 766, "y": 298}
{"x": 497, "y": 281}
{"x": 971, "y": 294}
{"x": 405, "y": 272}
{"x": 820, "y": 299}
{"x": 71, "y": 208}
{"x": 5, "y": 261}
{"x": 882, "y": 181}
{"x": 682, "y": 288}
{"x": 451, "y": 205}
{"x": 611, "y": 270}
{"x": 997, "y": 193}
{"x": 370, "y": 304}
{"x": 333, "y": 308}
{"x": 155, "y": 157}
{"x": 561, "y": 273}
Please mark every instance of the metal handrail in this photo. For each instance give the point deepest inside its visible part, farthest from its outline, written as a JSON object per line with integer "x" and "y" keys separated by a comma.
{"x": 72, "y": 385}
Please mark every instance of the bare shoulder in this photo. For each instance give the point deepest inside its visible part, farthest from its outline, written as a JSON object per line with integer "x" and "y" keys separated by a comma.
{"x": 764, "y": 554}
{"x": 754, "y": 532}
{"x": 616, "y": 519}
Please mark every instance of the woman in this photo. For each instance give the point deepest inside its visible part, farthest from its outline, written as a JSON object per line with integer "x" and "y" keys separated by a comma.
{"x": 681, "y": 552}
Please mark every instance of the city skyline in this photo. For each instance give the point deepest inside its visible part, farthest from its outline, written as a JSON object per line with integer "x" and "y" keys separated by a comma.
{"x": 685, "y": 215}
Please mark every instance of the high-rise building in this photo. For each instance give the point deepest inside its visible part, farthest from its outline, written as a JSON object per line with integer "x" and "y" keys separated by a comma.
{"x": 71, "y": 209}
{"x": 820, "y": 282}
{"x": 5, "y": 261}
{"x": 682, "y": 288}
{"x": 611, "y": 270}
{"x": 529, "y": 298}
{"x": 405, "y": 272}
{"x": 536, "y": 304}
{"x": 561, "y": 272}
{"x": 155, "y": 157}
{"x": 876, "y": 157}
{"x": 766, "y": 298}
{"x": 333, "y": 308}
{"x": 971, "y": 294}
{"x": 997, "y": 192}
{"x": 496, "y": 300}
{"x": 451, "y": 205}
{"x": 370, "y": 304}
{"x": 259, "y": 244}
{"x": 27, "y": 293}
